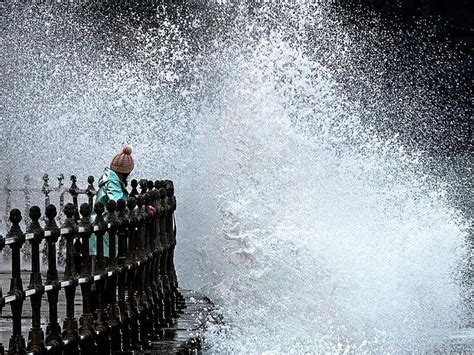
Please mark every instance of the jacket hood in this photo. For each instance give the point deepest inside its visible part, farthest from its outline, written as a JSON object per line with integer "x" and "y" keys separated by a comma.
{"x": 109, "y": 175}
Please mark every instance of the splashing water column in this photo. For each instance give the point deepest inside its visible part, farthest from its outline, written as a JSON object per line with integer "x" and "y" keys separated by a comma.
{"x": 247, "y": 105}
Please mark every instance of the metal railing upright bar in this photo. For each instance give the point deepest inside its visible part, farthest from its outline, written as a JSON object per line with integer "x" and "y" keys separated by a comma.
{"x": 128, "y": 298}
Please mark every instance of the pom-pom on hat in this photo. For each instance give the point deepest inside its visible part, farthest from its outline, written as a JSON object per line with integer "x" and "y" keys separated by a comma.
{"x": 123, "y": 161}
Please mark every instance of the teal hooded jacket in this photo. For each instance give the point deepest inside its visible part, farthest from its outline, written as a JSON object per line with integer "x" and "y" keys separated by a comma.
{"x": 110, "y": 188}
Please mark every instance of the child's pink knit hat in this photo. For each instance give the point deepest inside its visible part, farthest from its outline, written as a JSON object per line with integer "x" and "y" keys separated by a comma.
{"x": 123, "y": 161}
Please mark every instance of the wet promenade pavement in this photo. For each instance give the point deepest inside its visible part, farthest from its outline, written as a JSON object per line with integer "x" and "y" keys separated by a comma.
{"x": 183, "y": 336}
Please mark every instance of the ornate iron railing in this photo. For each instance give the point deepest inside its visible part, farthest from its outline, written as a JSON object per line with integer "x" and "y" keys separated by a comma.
{"x": 127, "y": 298}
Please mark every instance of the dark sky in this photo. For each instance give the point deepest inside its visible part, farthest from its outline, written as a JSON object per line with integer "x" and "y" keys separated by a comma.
{"x": 455, "y": 17}
{"x": 454, "y": 25}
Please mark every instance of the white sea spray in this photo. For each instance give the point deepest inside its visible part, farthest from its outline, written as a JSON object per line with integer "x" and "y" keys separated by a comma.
{"x": 311, "y": 232}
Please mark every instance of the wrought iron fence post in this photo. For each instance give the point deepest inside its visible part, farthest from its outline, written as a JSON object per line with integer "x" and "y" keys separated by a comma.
{"x": 143, "y": 305}
{"x": 171, "y": 225}
{"x": 26, "y": 191}
{"x": 101, "y": 329}
{"x": 161, "y": 255}
{"x": 17, "y": 342}
{"x": 134, "y": 191}
{"x": 132, "y": 273}
{"x": 62, "y": 239}
{"x": 51, "y": 234}
{"x": 148, "y": 270}
{"x": 170, "y": 312}
{"x": 90, "y": 191}
{"x": 86, "y": 329}
{"x": 74, "y": 192}
{"x": 61, "y": 191}
{"x": 169, "y": 249}
{"x": 157, "y": 287}
{"x": 36, "y": 336}
{"x": 113, "y": 224}
{"x": 111, "y": 286}
{"x": 139, "y": 228}
{"x": 143, "y": 186}
{"x": 150, "y": 185}
{"x": 148, "y": 251}
{"x": 122, "y": 235}
{"x": 46, "y": 190}
{"x": 70, "y": 331}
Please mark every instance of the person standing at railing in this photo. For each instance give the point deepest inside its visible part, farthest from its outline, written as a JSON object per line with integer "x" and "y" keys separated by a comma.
{"x": 112, "y": 186}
